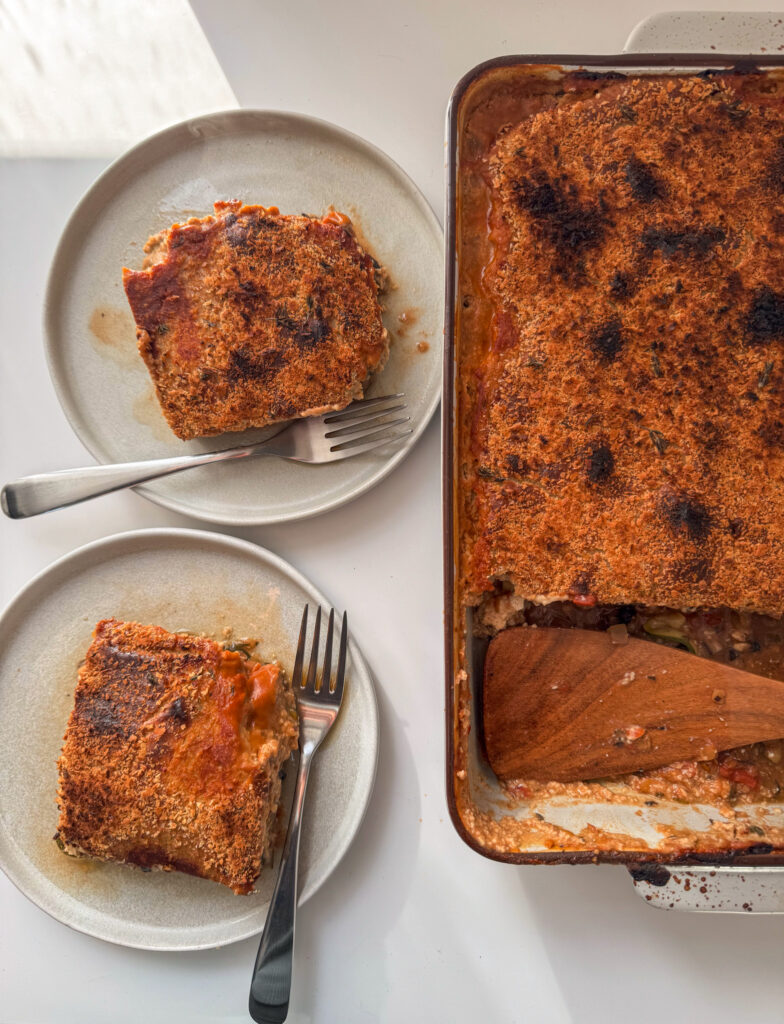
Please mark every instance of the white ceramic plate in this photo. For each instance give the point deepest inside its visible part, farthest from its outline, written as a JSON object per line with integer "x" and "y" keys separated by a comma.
{"x": 179, "y": 579}
{"x": 300, "y": 165}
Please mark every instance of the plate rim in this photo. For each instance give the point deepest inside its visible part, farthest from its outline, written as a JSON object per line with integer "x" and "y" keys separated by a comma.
{"x": 253, "y": 550}
{"x": 56, "y": 271}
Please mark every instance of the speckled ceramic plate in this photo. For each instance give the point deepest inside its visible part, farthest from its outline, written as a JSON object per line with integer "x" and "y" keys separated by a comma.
{"x": 179, "y": 579}
{"x": 288, "y": 160}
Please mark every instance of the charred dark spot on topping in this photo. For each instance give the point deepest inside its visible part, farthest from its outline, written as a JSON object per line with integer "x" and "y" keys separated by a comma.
{"x": 765, "y": 320}
{"x": 627, "y": 112}
{"x": 695, "y": 570}
{"x": 561, "y": 219}
{"x": 653, "y": 874}
{"x": 264, "y": 366}
{"x": 600, "y": 464}
{"x": 642, "y": 180}
{"x": 313, "y": 331}
{"x": 283, "y": 409}
{"x": 775, "y": 176}
{"x": 128, "y": 695}
{"x": 597, "y": 76}
{"x": 178, "y": 711}
{"x": 240, "y": 234}
{"x": 735, "y": 527}
{"x": 516, "y": 465}
{"x": 689, "y": 516}
{"x": 306, "y": 334}
{"x": 692, "y": 243}
{"x": 620, "y": 285}
{"x": 771, "y": 432}
{"x": 734, "y": 285}
{"x": 607, "y": 340}
{"x": 709, "y": 433}
{"x": 101, "y": 714}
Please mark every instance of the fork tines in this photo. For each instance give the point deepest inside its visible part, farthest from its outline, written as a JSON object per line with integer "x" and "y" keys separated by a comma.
{"x": 323, "y": 686}
{"x": 365, "y": 424}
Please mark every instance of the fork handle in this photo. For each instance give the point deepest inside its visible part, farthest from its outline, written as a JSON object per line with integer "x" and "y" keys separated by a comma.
{"x": 270, "y": 987}
{"x": 44, "y": 492}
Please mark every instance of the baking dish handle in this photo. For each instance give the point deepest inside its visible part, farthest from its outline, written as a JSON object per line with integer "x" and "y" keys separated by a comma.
{"x": 725, "y": 890}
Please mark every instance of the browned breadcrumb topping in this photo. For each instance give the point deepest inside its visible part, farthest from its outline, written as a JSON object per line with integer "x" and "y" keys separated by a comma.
{"x": 618, "y": 328}
{"x": 251, "y": 317}
{"x": 173, "y": 753}
{"x": 626, "y": 429}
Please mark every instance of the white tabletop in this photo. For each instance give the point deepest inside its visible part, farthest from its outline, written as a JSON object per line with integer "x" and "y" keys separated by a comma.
{"x": 412, "y": 926}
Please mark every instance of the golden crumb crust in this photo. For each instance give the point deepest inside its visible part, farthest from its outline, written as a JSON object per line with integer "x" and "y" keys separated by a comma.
{"x": 173, "y": 753}
{"x": 250, "y": 317}
{"x": 625, "y": 428}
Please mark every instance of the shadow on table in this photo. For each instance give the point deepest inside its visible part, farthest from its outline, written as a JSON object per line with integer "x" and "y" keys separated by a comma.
{"x": 375, "y": 875}
{"x": 612, "y": 955}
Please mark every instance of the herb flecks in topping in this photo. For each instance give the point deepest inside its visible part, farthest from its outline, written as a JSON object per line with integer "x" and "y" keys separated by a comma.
{"x": 735, "y": 111}
{"x": 660, "y": 442}
{"x": 764, "y": 377}
{"x": 488, "y": 474}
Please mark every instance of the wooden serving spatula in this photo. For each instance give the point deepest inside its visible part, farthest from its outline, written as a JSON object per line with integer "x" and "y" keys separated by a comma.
{"x": 569, "y": 704}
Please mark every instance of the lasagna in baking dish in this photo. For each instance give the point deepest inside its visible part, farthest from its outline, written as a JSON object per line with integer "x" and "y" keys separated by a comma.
{"x": 621, "y": 385}
{"x": 173, "y": 754}
{"x": 250, "y": 317}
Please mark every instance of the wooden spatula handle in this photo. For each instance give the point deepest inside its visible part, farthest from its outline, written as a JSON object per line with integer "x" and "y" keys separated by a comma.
{"x": 569, "y": 704}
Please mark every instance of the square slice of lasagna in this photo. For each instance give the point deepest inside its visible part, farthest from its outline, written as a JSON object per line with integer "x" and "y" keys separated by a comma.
{"x": 173, "y": 753}
{"x": 250, "y": 317}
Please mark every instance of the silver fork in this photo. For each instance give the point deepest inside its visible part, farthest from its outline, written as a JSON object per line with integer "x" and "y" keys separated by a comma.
{"x": 361, "y": 427}
{"x": 318, "y": 707}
